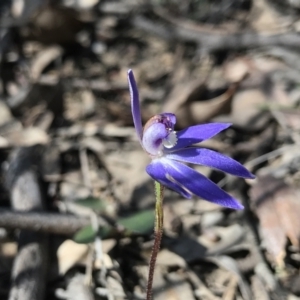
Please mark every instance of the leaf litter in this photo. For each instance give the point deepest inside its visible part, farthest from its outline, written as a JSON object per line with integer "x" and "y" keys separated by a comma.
{"x": 63, "y": 85}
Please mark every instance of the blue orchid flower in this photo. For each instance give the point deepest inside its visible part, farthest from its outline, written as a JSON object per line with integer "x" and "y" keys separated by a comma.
{"x": 170, "y": 150}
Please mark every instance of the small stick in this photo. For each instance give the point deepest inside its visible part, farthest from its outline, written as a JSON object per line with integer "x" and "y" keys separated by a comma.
{"x": 42, "y": 222}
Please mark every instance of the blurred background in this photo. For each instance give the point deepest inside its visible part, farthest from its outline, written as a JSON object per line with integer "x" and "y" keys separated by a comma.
{"x": 76, "y": 205}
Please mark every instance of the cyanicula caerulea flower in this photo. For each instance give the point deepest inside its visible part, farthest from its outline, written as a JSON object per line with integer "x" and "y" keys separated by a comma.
{"x": 169, "y": 150}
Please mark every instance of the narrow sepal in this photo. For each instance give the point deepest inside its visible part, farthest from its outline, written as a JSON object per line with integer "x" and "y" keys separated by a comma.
{"x": 157, "y": 171}
{"x": 135, "y": 105}
{"x": 198, "y": 184}
{"x": 198, "y": 133}
{"x": 212, "y": 159}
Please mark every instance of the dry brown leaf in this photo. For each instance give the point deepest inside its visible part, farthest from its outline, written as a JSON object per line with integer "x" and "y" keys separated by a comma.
{"x": 259, "y": 290}
{"x": 69, "y": 254}
{"x": 229, "y": 264}
{"x": 277, "y": 206}
{"x": 266, "y": 19}
{"x": 72, "y": 187}
{"x": 51, "y": 25}
{"x": 8, "y": 249}
{"x": 43, "y": 59}
{"x": 236, "y": 69}
{"x": 5, "y": 113}
{"x": 168, "y": 285}
{"x": 4, "y": 142}
{"x": 168, "y": 258}
{"x": 27, "y": 137}
{"x": 79, "y": 104}
{"x": 203, "y": 111}
{"x": 185, "y": 102}
{"x": 127, "y": 173}
{"x": 289, "y": 118}
{"x": 218, "y": 239}
{"x": 156, "y": 67}
{"x": 247, "y": 108}
{"x": 182, "y": 93}
{"x": 281, "y": 97}
{"x": 86, "y": 4}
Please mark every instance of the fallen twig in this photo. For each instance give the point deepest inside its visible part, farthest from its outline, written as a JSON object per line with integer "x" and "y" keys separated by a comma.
{"x": 216, "y": 41}
{"x": 42, "y": 222}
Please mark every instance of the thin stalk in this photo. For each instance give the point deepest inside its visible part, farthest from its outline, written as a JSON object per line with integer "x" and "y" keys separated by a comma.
{"x": 158, "y": 231}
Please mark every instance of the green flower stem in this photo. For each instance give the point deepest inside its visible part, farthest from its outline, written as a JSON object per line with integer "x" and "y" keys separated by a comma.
{"x": 158, "y": 231}
{"x": 159, "y": 212}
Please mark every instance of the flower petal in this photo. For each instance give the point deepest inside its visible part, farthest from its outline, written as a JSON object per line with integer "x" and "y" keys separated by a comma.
{"x": 209, "y": 158}
{"x": 199, "y": 184}
{"x": 135, "y": 105}
{"x": 153, "y": 137}
{"x": 198, "y": 133}
{"x": 156, "y": 170}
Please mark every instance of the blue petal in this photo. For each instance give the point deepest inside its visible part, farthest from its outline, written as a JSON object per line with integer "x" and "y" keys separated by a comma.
{"x": 197, "y": 134}
{"x": 211, "y": 159}
{"x": 199, "y": 184}
{"x": 156, "y": 170}
{"x": 135, "y": 105}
